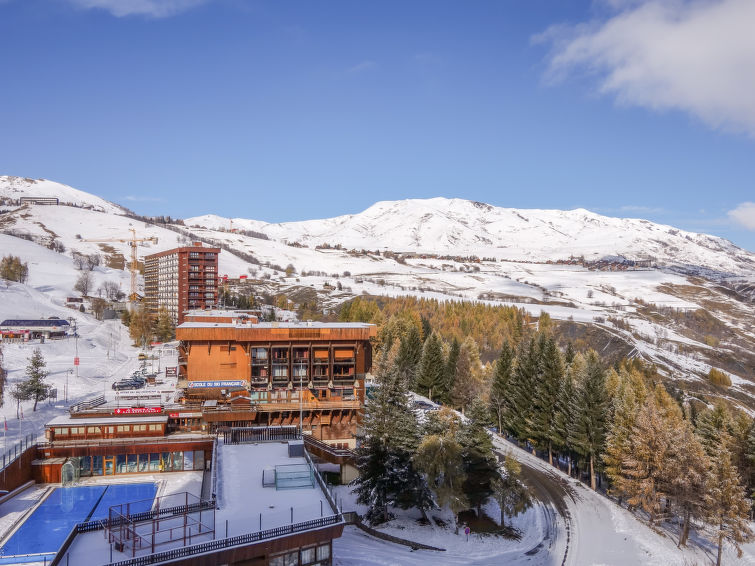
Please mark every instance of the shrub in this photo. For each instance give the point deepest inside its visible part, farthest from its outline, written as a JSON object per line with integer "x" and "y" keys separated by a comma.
{"x": 717, "y": 377}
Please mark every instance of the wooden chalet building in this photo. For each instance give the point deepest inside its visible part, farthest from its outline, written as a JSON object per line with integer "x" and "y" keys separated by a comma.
{"x": 245, "y": 373}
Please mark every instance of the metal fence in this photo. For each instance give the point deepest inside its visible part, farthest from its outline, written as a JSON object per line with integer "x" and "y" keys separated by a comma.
{"x": 221, "y": 544}
{"x": 243, "y": 435}
{"x": 9, "y": 456}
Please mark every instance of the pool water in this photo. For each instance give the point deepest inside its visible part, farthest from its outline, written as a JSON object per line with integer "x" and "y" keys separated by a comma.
{"x": 42, "y": 534}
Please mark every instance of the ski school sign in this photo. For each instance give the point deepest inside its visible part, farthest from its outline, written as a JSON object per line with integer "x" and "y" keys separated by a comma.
{"x": 138, "y": 411}
{"x": 206, "y": 384}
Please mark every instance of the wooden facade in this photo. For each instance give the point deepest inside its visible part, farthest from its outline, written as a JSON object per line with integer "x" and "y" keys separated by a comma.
{"x": 283, "y": 371}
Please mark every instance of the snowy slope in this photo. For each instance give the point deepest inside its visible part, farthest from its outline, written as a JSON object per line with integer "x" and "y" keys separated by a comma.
{"x": 462, "y": 227}
{"x": 16, "y": 187}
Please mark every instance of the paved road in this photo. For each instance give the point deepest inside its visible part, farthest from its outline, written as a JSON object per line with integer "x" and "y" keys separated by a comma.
{"x": 551, "y": 491}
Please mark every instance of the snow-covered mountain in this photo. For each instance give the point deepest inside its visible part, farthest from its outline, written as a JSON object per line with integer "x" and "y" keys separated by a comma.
{"x": 524, "y": 260}
{"x": 463, "y": 228}
{"x": 13, "y": 188}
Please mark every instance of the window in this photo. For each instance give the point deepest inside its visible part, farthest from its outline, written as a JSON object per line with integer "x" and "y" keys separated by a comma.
{"x": 124, "y": 428}
{"x": 131, "y": 461}
{"x": 96, "y": 465}
{"x": 154, "y": 427}
{"x": 308, "y": 555}
{"x": 61, "y": 431}
{"x": 139, "y": 427}
{"x": 323, "y": 552}
{"x": 120, "y": 464}
{"x": 77, "y": 430}
{"x": 154, "y": 462}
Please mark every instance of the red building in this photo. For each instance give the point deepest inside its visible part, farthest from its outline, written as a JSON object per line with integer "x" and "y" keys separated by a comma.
{"x": 181, "y": 279}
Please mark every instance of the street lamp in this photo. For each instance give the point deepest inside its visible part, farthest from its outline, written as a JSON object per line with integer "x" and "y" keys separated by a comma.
{"x": 76, "y": 345}
{"x": 65, "y": 391}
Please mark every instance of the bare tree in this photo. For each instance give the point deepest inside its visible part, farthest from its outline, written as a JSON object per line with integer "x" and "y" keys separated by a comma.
{"x": 84, "y": 283}
{"x": 112, "y": 290}
{"x": 93, "y": 260}
{"x": 79, "y": 260}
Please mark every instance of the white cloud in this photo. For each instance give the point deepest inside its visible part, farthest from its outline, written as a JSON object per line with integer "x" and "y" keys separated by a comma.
{"x": 362, "y": 66}
{"x": 152, "y": 8}
{"x": 697, "y": 56}
{"x": 744, "y": 215}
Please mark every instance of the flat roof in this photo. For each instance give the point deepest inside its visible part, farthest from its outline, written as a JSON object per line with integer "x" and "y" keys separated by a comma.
{"x": 67, "y": 420}
{"x": 268, "y": 325}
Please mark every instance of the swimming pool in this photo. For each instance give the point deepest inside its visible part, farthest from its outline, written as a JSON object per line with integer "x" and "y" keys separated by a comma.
{"x": 42, "y": 534}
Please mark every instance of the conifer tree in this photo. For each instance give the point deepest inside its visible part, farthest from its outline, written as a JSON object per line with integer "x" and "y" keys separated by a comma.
{"x": 439, "y": 459}
{"x": 390, "y": 437}
{"x": 643, "y": 467}
{"x": 34, "y": 385}
{"x": 409, "y": 355}
{"x": 480, "y": 465}
{"x": 499, "y": 388}
{"x": 711, "y": 425}
{"x": 587, "y": 435}
{"x": 551, "y": 372}
{"x": 519, "y": 404}
{"x": 726, "y": 502}
{"x": 450, "y": 376}
{"x": 630, "y": 396}
{"x": 432, "y": 368}
{"x": 512, "y": 497}
{"x": 165, "y": 330}
{"x": 687, "y": 476}
{"x": 563, "y": 418}
{"x": 467, "y": 385}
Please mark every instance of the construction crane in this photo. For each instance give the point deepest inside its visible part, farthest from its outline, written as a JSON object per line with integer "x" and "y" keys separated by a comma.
{"x": 134, "y": 265}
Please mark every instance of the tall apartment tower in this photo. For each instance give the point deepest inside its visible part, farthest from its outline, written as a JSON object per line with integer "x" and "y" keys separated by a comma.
{"x": 181, "y": 279}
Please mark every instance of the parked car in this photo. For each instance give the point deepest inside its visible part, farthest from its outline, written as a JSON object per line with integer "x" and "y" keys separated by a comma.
{"x": 142, "y": 356}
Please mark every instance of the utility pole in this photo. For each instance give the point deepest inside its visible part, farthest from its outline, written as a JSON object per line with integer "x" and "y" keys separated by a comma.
{"x": 76, "y": 345}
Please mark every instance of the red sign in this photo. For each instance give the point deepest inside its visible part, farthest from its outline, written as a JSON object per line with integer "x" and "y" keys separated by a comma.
{"x": 76, "y": 361}
{"x": 173, "y": 415}
{"x": 242, "y": 276}
{"x": 171, "y": 371}
{"x": 138, "y": 410}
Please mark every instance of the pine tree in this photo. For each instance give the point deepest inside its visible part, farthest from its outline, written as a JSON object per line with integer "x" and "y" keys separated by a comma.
{"x": 499, "y": 388}
{"x": 563, "y": 418}
{"x": 450, "y": 377}
{"x": 480, "y": 465}
{"x": 630, "y": 396}
{"x": 34, "y": 385}
{"x": 643, "y": 467}
{"x": 519, "y": 403}
{"x": 387, "y": 476}
{"x": 409, "y": 355}
{"x": 165, "y": 330}
{"x": 141, "y": 326}
{"x": 687, "y": 476}
{"x": 551, "y": 373}
{"x": 512, "y": 497}
{"x": 712, "y": 425}
{"x": 439, "y": 459}
{"x": 432, "y": 368}
{"x": 726, "y": 502}
{"x": 587, "y": 435}
{"x": 468, "y": 383}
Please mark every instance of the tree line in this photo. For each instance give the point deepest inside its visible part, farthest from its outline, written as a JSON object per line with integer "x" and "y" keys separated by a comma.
{"x": 617, "y": 427}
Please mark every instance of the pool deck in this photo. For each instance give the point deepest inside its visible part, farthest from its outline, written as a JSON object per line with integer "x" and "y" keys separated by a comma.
{"x": 25, "y": 503}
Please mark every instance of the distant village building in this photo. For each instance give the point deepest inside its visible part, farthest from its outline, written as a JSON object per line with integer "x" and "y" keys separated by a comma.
{"x": 34, "y": 328}
{"x": 181, "y": 279}
{"x": 39, "y": 200}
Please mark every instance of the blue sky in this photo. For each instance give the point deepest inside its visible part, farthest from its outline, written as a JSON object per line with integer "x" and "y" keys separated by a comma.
{"x": 293, "y": 110}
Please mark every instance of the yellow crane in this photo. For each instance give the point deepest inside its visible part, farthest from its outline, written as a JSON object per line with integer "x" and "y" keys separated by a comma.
{"x": 134, "y": 265}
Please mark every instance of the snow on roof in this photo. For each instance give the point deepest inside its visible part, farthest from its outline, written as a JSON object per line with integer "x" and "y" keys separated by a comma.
{"x": 67, "y": 420}
{"x": 267, "y": 325}
{"x": 37, "y": 322}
